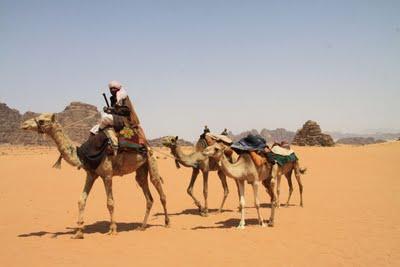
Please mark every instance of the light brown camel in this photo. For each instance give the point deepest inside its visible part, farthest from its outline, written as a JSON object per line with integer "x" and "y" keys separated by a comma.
{"x": 244, "y": 170}
{"x": 198, "y": 162}
{"x": 123, "y": 163}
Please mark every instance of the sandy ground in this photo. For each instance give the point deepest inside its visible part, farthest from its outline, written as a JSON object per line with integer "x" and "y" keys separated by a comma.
{"x": 351, "y": 215}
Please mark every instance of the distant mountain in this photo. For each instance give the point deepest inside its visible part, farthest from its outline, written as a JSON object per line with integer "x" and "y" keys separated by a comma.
{"x": 383, "y": 136}
{"x": 157, "y": 142}
{"x": 279, "y": 135}
{"x": 359, "y": 141}
{"x": 77, "y": 119}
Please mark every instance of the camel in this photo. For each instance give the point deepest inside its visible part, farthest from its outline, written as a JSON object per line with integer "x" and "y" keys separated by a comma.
{"x": 287, "y": 170}
{"x": 123, "y": 163}
{"x": 244, "y": 170}
{"x": 203, "y": 163}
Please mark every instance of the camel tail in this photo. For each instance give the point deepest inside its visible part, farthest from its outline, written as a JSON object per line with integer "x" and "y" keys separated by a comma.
{"x": 57, "y": 165}
{"x": 302, "y": 170}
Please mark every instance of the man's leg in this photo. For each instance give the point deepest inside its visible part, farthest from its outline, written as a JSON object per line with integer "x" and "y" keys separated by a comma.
{"x": 106, "y": 124}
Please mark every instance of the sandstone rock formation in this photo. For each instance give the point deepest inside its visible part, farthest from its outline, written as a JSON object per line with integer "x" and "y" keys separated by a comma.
{"x": 157, "y": 142}
{"x": 359, "y": 141}
{"x": 278, "y": 135}
{"x": 311, "y": 135}
{"x": 77, "y": 118}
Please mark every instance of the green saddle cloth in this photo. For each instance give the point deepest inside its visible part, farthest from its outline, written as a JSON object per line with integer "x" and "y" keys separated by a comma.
{"x": 282, "y": 160}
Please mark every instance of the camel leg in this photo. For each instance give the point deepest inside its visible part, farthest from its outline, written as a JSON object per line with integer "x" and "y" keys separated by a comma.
{"x": 82, "y": 204}
{"x": 222, "y": 177}
{"x": 257, "y": 203}
{"x": 156, "y": 181}
{"x": 205, "y": 194}
{"x": 238, "y": 191}
{"x": 141, "y": 178}
{"x": 298, "y": 178}
{"x": 272, "y": 185}
{"x": 242, "y": 222}
{"x": 278, "y": 189}
{"x": 195, "y": 173}
{"x": 110, "y": 203}
{"x": 265, "y": 183}
{"x": 289, "y": 180}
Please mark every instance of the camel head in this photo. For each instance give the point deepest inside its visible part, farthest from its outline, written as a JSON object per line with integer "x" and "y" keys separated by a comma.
{"x": 170, "y": 141}
{"x": 41, "y": 124}
{"x": 215, "y": 151}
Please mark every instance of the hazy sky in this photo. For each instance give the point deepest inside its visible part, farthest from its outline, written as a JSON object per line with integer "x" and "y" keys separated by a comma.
{"x": 234, "y": 64}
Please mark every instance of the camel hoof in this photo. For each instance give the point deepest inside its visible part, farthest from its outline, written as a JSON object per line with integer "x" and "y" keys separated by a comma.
{"x": 270, "y": 224}
{"x": 204, "y": 214}
{"x": 240, "y": 226}
{"x": 142, "y": 228}
{"x": 112, "y": 232}
{"x": 287, "y": 205}
{"x": 78, "y": 236}
{"x": 262, "y": 225}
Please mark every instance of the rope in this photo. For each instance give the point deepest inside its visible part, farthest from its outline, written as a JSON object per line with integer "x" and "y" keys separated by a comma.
{"x": 75, "y": 122}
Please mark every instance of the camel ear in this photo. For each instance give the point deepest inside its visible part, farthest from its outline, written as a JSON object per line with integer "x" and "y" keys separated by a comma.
{"x": 53, "y": 117}
{"x": 176, "y": 138}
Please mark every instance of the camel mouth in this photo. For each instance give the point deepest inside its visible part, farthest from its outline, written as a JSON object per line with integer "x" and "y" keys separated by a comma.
{"x": 24, "y": 126}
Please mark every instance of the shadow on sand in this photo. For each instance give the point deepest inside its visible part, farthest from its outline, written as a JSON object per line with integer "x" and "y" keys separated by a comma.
{"x": 192, "y": 212}
{"x": 101, "y": 227}
{"x": 230, "y": 223}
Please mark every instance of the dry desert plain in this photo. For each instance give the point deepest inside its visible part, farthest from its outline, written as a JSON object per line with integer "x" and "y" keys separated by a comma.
{"x": 351, "y": 215}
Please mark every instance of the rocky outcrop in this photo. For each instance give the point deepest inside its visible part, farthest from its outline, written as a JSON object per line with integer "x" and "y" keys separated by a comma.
{"x": 311, "y": 135}
{"x": 359, "y": 141}
{"x": 77, "y": 119}
{"x": 157, "y": 142}
{"x": 278, "y": 135}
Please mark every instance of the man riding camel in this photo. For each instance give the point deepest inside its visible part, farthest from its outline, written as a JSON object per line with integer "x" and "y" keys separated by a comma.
{"x": 120, "y": 114}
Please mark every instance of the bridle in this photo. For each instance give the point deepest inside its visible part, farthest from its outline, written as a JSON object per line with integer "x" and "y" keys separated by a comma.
{"x": 40, "y": 127}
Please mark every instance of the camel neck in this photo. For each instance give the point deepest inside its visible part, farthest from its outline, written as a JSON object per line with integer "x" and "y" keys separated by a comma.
{"x": 185, "y": 159}
{"x": 178, "y": 153}
{"x": 64, "y": 145}
{"x": 232, "y": 170}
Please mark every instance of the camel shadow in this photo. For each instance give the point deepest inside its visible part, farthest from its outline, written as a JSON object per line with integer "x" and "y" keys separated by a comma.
{"x": 230, "y": 223}
{"x": 101, "y": 227}
{"x": 192, "y": 212}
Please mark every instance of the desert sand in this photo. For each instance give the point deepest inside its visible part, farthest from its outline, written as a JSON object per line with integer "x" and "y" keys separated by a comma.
{"x": 351, "y": 215}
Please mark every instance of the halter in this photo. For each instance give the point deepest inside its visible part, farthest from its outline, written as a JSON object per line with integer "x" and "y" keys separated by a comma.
{"x": 39, "y": 125}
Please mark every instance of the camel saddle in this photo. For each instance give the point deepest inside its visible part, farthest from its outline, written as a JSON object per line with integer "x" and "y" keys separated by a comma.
{"x": 212, "y": 138}
{"x": 129, "y": 139}
{"x": 92, "y": 152}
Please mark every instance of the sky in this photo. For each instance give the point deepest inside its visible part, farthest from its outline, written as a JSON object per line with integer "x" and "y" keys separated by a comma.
{"x": 226, "y": 64}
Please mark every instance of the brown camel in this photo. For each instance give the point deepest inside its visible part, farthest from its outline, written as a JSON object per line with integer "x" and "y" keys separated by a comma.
{"x": 244, "y": 170}
{"x": 287, "y": 170}
{"x": 198, "y": 162}
{"x": 123, "y": 163}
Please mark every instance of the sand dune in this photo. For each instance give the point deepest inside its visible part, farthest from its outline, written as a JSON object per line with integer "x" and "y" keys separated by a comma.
{"x": 351, "y": 215}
